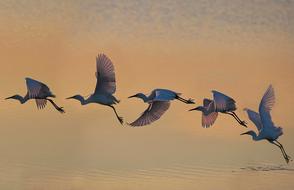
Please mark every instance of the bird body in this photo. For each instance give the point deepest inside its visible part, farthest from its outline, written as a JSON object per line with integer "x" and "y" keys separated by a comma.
{"x": 221, "y": 103}
{"x": 158, "y": 103}
{"x": 105, "y": 86}
{"x": 264, "y": 124}
{"x": 38, "y": 91}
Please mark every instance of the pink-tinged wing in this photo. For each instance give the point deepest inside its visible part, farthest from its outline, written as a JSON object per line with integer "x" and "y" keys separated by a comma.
{"x": 255, "y": 118}
{"x": 154, "y": 111}
{"x": 41, "y": 103}
{"x": 209, "y": 116}
{"x": 208, "y": 120}
{"x": 105, "y": 75}
{"x": 223, "y": 102}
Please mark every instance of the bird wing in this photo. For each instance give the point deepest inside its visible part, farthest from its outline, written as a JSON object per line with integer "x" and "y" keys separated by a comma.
{"x": 105, "y": 75}
{"x": 255, "y": 118}
{"x": 223, "y": 102}
{"x": 37, "y": 89}
{"x": 154, "y": 111}
{"x": 208, "y": 117}
{"x": 265, "y": 106}
{"x": 206, "y": 102}
{"x": 41, "y": 103}
{"x": 163, "y": 95}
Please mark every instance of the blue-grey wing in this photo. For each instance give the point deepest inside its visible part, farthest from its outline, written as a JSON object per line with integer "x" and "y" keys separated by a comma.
{"x": 265, "y": 106}
{"x": 105, "y": 75}
{"x": 223, "y": 102}
{"x": 255, "y": 118}
{"x": 164, "y": 95}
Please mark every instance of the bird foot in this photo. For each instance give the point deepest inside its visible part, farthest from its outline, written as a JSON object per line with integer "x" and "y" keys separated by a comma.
{"x": 61, "y": 110}
{"x": 120, "y": 119}
{"x": 244, "y": 123}
{"x": 190, "y": 101}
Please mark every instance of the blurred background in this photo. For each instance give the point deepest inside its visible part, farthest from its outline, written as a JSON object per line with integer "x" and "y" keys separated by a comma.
{"x": 193, "y": 47}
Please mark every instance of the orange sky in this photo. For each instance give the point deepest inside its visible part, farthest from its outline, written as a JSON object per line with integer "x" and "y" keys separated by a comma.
{"x": 190, "y": 48}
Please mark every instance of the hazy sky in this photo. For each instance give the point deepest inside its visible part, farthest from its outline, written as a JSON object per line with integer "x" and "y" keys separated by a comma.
{"x": 237, "y": 47}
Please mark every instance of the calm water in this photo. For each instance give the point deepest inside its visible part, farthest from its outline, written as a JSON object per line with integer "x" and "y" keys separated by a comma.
{"x": 177, "y": 176}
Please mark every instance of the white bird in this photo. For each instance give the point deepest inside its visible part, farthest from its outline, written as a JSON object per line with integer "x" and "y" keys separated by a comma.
{"x": 105, "y": 86}
{"x": 221, "y": 103}
{"x": 159, "y": 102}
{"x": 264, "y": 124}
{"x": 38, "y": 91}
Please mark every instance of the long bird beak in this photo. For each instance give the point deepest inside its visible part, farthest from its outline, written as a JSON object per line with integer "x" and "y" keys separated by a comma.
{"x": 132, "y": 96}
{"x": 192, "y": 109}
{"x": 9, "y": 98}
{"x": 70, "y": 97}
{"x": 246, "y": 133}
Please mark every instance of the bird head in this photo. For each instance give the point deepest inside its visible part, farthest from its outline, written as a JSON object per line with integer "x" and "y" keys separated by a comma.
{"x": 75, "y": 97}
{"x": 199, "y": 108}
{"x": 16, "y": 97}
{"x": 248, "y": 133}
{"x": 80, "y": 98}
{"x": 136, "y": 95}
{"x": 141, "y": 96}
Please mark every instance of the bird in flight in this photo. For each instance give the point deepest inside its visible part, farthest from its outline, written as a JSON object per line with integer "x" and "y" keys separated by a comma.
{"x": 221, "y": 103}
{"x": 264, "y": 124}
{"x": 105, "y": 86}
{"x": 38, "y": 91}
{"x": 158, "y": 103}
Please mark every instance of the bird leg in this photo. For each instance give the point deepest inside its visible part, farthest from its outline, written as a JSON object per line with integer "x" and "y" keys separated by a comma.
{"x": 282, "y": 148}
{"x": 189, "y": 101}
{"x": 241, "y": 122}
{"x": 60, "y": 109}
{"x": 120, "y": 119}
{"x": 286, "y": 157}
{"x": 237, "y": 119}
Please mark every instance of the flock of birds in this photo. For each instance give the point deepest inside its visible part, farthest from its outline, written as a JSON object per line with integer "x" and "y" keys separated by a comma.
{"x": 159, "y": 102}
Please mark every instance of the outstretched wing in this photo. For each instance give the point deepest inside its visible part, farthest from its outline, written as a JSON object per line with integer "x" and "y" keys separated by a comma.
{"x": 39, "y": 91}
{"x": 223, "y": 102}
{"x": 105, "y": 75}
{"x": 41, "y": 103}
{"x": 208, "y": 117}
{"x": 163, "y": 95}
{"x": 154, "y": 111}
{"x": 266, "y": 105}
{"x": 255, "y": 118}
{"x": 208, "y": 120}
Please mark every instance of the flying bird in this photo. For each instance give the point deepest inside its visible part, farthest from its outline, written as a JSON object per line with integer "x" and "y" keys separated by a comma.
{"x": 264, "y": 124}
{"x": 105, "y": 86}
{"x": 38, "y": 91}
{"x": 158, "y": 103}
{"x": 221, "y": 103}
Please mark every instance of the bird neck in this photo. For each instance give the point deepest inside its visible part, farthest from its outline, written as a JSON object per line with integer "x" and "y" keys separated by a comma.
{"x": 143, "y": 97}
{"x": 82, "y": 100}
{"x": 21, "y": 99}
{"x": 254, "y": 136}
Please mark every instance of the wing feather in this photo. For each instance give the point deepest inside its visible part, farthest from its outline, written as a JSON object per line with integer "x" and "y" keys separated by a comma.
{"x": 223, "y": 102}
{"x": 105, "y": 75}
{"x": 265, "y": 106}
{"x": 255, "y": 118}
{"x": 41, "y": 103}
{"x": 208, "y": 120}
{"x": 37, "y": 89}
{"x": 154, "y": 111}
